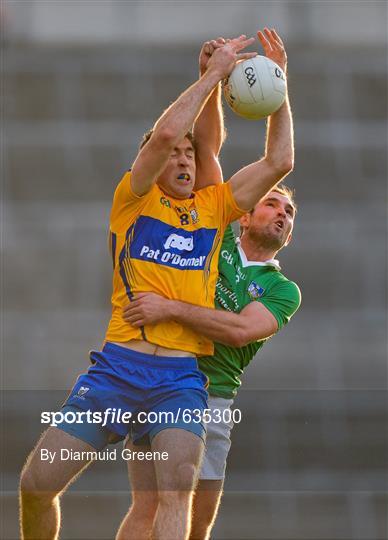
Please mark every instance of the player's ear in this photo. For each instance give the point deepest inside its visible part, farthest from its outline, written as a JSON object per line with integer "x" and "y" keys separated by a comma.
{"x": 245, "y": 220}
{"x": 288, "y": 239}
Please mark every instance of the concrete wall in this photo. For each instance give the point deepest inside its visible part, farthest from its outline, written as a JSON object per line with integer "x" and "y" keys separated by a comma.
{"x": 80, "y": 87}
{"x": 182, "y": 22}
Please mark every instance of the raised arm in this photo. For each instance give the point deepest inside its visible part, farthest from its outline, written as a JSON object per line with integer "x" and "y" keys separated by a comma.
{"x": 178, "y": 119}
{"x": 253, "y": 323}
{"x": 209, "y": 131}
{"x": 252, "y": 182}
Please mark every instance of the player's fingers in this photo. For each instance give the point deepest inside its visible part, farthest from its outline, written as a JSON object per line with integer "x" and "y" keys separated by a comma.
{"x": 237, "y": 40}
{"x": 133, "y": 316}
{"x": 276, "y": 37}
{"x": 246, "y": 56}
{"x": 133, "y": 307}
{"x": 138, "y": 322}
{"x": 264, "y": 42}
{"x": 207, "y": 48}
{"x": 134, "y": 304}
{"x": 127, "y": 309}
{"x": 272, "y": 40}
{"x": 128, "y": 317}
{"x": 216, "y": 44}
{"x": 139, "y": 295}
{"x": 243, "y": 43}
{"x": 221, "y": 41}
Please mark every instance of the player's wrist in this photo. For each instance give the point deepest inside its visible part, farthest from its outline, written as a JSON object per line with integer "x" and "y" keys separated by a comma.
{"x": 214, "y": 73}
{"x": 173, "y": 309}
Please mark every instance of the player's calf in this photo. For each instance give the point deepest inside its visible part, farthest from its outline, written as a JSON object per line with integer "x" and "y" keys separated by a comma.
{"x": 138, "y": 523}
{"x": 43, "y": 480}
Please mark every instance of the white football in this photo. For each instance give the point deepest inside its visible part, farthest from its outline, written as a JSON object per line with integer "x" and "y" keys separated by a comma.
{"x": 256, "y": 88}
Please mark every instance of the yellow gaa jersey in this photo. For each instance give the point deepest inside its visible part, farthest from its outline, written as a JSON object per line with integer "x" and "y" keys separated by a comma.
{"x": 171, "y": 247}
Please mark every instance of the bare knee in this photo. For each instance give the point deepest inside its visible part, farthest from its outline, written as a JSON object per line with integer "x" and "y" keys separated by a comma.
{"x": 32, "y": 486}
{"x": 186, "y": 475}
{"x": 179, "y": 487}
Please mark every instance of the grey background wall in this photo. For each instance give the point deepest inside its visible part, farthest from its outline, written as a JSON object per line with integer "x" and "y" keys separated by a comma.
{"x": 81, "y": 83}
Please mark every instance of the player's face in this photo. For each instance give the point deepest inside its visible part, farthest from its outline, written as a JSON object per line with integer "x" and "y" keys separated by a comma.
{"x": 178, "y": 177}
{"x": 272, "y": 220}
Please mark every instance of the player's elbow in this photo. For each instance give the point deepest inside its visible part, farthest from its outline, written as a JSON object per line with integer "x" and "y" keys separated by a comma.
{"x": 164, "y": 136}
{"x": 283, "y": 166}
{"x": 287, "y": 166}
{"x": 238, "y": 338}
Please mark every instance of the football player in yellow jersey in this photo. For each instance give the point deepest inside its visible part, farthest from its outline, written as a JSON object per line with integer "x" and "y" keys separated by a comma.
{"x": 166, "y": 239}
{"x": 209, "y": 130}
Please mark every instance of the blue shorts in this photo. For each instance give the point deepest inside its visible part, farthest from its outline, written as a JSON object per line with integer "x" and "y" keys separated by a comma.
{"x": 159, "y": 392}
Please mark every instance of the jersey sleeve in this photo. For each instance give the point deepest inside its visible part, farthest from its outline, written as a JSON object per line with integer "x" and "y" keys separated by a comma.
{"x": 230, "y": 210}
{"x": 283, "y": 300}
{"x": 125, "y": 204}
{"x": 229, "y": 238}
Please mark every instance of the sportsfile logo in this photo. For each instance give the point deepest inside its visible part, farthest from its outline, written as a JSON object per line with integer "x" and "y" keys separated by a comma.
{"x": 157, "y": 242}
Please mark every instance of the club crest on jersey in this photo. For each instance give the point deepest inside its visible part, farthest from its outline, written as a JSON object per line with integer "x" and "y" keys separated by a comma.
{"x": 165, "y": 202}
{"x": 194, "y": 215}
{"x": 255, "y": 291}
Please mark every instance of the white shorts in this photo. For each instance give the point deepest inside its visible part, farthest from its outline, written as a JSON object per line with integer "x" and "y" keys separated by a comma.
{"x": 217, "y": 440}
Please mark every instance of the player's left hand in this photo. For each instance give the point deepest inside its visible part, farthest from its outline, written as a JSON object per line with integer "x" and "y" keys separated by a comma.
{"x": 224, "y": 58}
{"x": 146, "y": 308}
{"x": 273, "y": 47}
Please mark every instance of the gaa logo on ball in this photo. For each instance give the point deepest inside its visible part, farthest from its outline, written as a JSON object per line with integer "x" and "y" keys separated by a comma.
{"x": 256, "y": 88}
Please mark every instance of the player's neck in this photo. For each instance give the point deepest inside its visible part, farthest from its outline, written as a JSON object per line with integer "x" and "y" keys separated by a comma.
{"x": 255, "y": 252}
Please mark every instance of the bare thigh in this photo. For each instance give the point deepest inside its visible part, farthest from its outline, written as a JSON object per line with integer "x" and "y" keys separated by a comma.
{"x": 141, "y": 473}
{"x": 184, "y": 451}
{"x": 43, "y": 475}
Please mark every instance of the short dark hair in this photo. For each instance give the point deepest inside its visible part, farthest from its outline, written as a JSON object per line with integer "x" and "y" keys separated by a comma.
{"x": 287, "y": 192}
{"x": 146, "y": 137}
{"x": 283, "y": 190}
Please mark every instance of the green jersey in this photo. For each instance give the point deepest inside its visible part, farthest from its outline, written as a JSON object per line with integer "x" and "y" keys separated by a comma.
{"x": 241, "y": 282}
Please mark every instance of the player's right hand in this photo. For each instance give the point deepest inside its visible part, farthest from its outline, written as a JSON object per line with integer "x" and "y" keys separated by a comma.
{"x": 207, "y": 50}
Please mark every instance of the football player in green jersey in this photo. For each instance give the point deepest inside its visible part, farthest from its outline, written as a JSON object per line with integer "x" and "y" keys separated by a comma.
{"x": 253, "y": 300}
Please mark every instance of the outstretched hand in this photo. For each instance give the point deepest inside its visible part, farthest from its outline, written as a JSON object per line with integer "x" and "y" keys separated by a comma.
{"x": 224, "y": 58}
{"x": 207, "y": 50}
{"x": 273, "y": 47}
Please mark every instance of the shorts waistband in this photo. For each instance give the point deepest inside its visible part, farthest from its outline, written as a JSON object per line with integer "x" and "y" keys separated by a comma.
{"x": 151, "y": 360}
